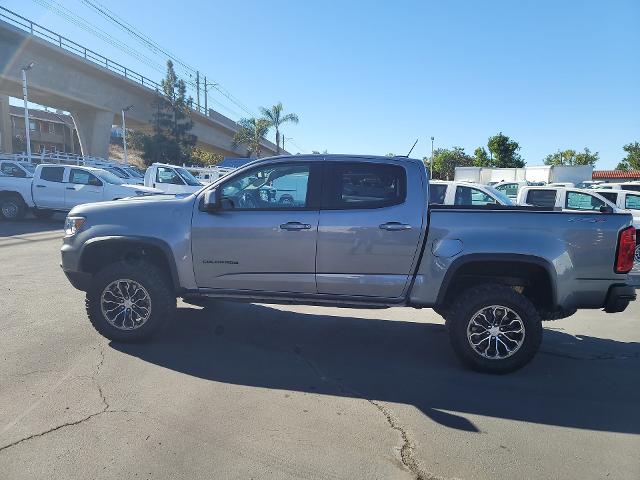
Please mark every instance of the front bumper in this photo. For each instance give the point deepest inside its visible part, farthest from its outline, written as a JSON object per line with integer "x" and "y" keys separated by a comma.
{"x": 80, "y": 280}
{"x": 619, "y": 297}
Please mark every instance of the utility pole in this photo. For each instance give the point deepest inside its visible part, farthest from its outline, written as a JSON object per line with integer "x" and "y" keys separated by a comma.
{"x": 206, "y": 107}
{"x": 26, "y": 108}
{"x": 124, "y": 134}
{"x": 431, "y": 162}
{"x": 198, "y": 90}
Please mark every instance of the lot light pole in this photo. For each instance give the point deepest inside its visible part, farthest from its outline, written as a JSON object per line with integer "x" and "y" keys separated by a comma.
{"x": 124, "y": 134}
{"x": 25, "y": 94}
{"x": 431, "y": 162}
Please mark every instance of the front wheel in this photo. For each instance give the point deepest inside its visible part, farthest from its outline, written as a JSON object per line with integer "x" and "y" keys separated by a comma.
{"x": 494, "y": 329}
{"x": 130, "y": 302}
{"x": 12, "y": 207}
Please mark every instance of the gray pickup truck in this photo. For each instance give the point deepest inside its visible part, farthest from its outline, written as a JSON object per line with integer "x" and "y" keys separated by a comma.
{"x": 348, "y": 231}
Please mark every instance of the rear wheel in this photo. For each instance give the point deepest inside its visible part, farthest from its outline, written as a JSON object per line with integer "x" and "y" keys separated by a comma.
{"x": 130, "y": 302}
{"x": 494, "y": 329}
{"x": 12, "y": 207}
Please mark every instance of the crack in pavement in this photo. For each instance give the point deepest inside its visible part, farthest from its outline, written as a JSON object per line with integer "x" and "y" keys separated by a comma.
{"x": 105, "y": 409}
{"x": 407, "y": 449}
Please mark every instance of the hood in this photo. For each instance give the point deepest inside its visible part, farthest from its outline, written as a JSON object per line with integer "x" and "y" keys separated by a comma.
{"x": 137, "y": 205}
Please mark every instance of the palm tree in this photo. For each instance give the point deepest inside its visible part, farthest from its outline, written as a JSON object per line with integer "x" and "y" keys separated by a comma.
{"x": 251, "y": 133}
{"x": 276, "y": 118}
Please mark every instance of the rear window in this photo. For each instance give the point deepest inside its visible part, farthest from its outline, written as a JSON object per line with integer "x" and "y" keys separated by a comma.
{"x": 52, "y": 174}
{"x": 632, "y": 202}
{"x": 541, "y": 198}
{"x": 437, "y": 193}
{"x": 365, "y": 185}
{"x": 582, "y": 201}
{"x": 633, "y": 188}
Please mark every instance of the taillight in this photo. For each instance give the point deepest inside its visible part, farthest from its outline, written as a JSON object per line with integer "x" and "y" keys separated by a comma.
{"x": 626, "y": 249}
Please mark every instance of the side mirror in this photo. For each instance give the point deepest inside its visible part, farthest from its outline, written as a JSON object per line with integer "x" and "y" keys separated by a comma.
{"x": 606, "y": 209}
{"x": 211, "y": 201}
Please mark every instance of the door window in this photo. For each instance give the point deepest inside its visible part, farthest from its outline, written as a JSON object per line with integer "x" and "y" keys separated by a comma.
{"x": 52, "y": 174}
{"x": 272, "y": 187}
{"x": 82, "y": 177}
{"x": 472, "y": 196}
{"x": 632, "y": 202}
{"x": 582, "y": 201}
{"x": 365, "y": 185}
{"x": 12, "y": 170}
{"x": 541, "y": 198}
{"x": 168, "y": 175}
{"x": 635, "y": 188}
{"x": 437, "y": 193}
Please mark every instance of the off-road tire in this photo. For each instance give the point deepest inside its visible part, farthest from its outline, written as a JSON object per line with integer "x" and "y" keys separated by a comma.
{"x": 12, "y": 207}
{"x": 473, "y": 300}
{"x": 157, "y": 284}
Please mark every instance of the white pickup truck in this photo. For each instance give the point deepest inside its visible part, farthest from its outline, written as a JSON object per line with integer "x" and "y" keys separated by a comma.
{"x": 565, "y": 199}
{"x": 60, "y": 188}
{"x": 171, "y": 179}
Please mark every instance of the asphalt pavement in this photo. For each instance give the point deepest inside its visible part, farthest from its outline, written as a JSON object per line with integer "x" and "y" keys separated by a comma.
{"x": 245, "y": 391}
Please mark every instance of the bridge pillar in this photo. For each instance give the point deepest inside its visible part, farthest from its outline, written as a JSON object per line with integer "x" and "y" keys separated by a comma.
{"x": 6, "y": 142}
{"x": 94, "y": 131}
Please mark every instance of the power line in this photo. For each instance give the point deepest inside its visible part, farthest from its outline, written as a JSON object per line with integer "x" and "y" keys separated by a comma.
{"x": 155, "y": 47}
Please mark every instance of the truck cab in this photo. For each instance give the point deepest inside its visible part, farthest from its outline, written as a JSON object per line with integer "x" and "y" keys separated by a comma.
{"x": 565, "y": 199}
{"x": 171, "y": 179}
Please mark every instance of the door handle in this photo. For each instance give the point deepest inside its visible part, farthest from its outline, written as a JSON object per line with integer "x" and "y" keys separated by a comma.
{"x": 70, "y": 188}
{"x": 295, "y": 226}
{"x": 395, "y": 226}
{"x": 41, "y": 186}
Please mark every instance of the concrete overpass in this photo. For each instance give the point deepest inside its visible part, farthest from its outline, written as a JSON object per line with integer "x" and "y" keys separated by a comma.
{"x": 93, "y": 89}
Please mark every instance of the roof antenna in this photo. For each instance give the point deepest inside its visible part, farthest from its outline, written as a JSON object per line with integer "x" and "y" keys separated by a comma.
{"x": 414, "y": 144}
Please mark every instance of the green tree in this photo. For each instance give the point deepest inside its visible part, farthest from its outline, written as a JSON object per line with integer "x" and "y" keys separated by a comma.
{"x": 446, "y": 160}
{"x": 504, "y": 152}
{"x": 171, "y": 140}
{"x": 571, "y": 157}
{"x": 251, "y": 133}
{"x": 632, "y": 160}
{"x": 201, "y": 156}
{"x": 276, "y": 118}
{"x": 481, "y": 158}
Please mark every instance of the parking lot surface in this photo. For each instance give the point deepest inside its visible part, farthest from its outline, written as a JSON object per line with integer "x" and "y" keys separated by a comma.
{"x": 263, "y": 391}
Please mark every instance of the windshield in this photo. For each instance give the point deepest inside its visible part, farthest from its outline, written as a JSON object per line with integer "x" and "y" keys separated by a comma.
{"x": 133, "y": 172}
{"x": 188, "y": 178}
{"x": 110, "y": 177}
{"x": 28, "y": 167}
{"x": 500, "y": 196}
{"x": 116, "y": 172}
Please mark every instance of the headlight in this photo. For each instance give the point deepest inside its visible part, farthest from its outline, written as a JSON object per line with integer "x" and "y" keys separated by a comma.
{"x": 73, "y": 224}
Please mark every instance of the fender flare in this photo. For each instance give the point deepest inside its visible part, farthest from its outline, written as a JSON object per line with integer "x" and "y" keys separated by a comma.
{"x": 460, "y": 262}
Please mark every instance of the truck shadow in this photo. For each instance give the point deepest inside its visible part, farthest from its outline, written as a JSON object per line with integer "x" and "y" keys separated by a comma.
{"x": 578, "y": 382}
{"x": 31, "y": 225}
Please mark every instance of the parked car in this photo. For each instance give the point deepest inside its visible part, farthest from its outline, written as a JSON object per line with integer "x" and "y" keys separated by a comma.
{"x": 443, "y": 192}
{"x": 491, "y": 279}
{"x": 14, "y": 168}
{"x": 124, "y": 174}
{"x": 565, "y": 199}
{"x": 171, "y": 179}
{"x": 57, "y": 187}
{"x": 628, "y": 201}
{"x": 632, "y": 186}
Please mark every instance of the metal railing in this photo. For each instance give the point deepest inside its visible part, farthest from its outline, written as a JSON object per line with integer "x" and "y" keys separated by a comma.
{"x": 58, "y": 40}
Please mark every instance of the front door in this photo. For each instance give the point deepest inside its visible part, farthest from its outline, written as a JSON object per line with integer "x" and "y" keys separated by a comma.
{"x": 82, "y": 187}
{"x": 49, "y": 188}
{"x": 259, "y": 241}
{"x": 168, "y": 180}
{"x": 370, "y": 228}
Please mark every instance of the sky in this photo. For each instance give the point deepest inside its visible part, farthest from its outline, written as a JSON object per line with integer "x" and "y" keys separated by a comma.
{"x": 371, "y": 76}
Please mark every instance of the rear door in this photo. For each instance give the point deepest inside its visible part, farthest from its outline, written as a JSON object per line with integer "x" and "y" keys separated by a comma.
{"x": 82, "y": 187}
{"x": 49, "y": 188}
{"x": 257, "y": 242}
{"x": 370, "y": 227}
